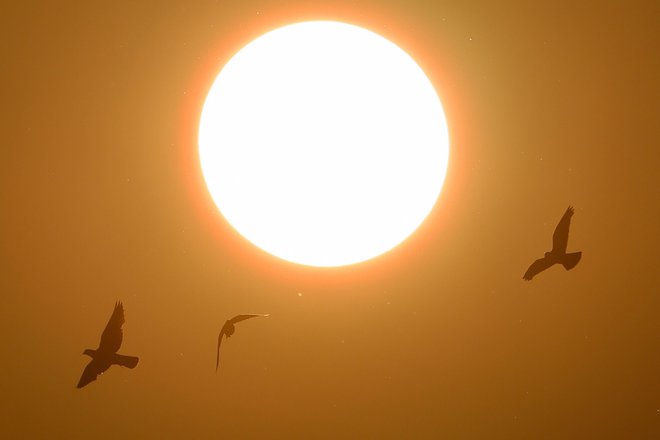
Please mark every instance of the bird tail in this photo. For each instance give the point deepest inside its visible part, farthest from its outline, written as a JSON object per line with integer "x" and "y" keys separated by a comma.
{"x": 570, "y": 260}
{"x": 126, "y": 361}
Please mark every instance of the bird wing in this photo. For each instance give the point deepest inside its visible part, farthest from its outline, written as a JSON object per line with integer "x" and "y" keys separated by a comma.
{"x": 239, "y": 318}
{"x": 538, "y": 266}
{"x": 560, "y": 236}
{"x": 112, "y": 335}
{"x": 222, "y": 333}
{"x": 90, "y": 373}
{"x": 217, "y": 358}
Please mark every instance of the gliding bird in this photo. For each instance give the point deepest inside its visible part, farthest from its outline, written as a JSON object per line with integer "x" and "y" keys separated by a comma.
{"x": 106, "y": 355}
{"x": 558, "y": 253}
{"x": 228, "y": 330}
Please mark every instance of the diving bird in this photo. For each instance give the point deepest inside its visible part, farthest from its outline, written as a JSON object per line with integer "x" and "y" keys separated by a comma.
{"x": 228, "y": 330}
{"x": 558, "y": 253}
{"x": 106, "y": 355}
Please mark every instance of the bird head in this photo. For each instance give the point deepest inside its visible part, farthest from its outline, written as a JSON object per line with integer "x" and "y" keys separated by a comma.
{"x": 89, "y": 352}
{"x": 547, "y": 254}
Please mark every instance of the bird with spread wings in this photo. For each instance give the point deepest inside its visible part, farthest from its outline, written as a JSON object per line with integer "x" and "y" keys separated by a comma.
{"x": 558, "y": 253}
{"x": 228, "y": 330}
{"x": 106, "y": 355}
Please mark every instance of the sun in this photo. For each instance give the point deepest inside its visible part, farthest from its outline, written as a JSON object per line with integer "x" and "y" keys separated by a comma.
{"x": 323, "y": 143}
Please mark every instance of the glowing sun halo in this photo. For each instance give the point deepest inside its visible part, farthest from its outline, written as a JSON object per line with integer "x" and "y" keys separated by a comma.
{"x": 323, "y": 143}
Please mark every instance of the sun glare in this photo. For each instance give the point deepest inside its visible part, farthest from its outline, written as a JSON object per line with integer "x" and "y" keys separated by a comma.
{"x": 323, "y": 143}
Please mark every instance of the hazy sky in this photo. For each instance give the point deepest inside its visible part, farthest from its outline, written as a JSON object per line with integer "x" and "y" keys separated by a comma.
{"x": 102, "y": 200}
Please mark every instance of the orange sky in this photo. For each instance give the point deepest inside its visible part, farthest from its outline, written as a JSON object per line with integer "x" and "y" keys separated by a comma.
{"x": 548, "y": 105}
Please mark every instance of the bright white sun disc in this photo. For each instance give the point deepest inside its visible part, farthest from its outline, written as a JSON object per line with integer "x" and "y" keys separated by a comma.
{"x": 323, "y": 143}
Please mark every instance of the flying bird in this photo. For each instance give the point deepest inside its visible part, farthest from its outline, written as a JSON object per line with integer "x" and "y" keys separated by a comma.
{"x": 228, "y": 330}
{"x": 106, "y": 355}
{"x": 558, "y": 253}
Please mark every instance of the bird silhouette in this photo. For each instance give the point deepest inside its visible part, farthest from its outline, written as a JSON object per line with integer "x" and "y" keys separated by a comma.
{"x": 558, "y": 253}
{"x": 228, "y": 329}
{"x": 106, "y": 355}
